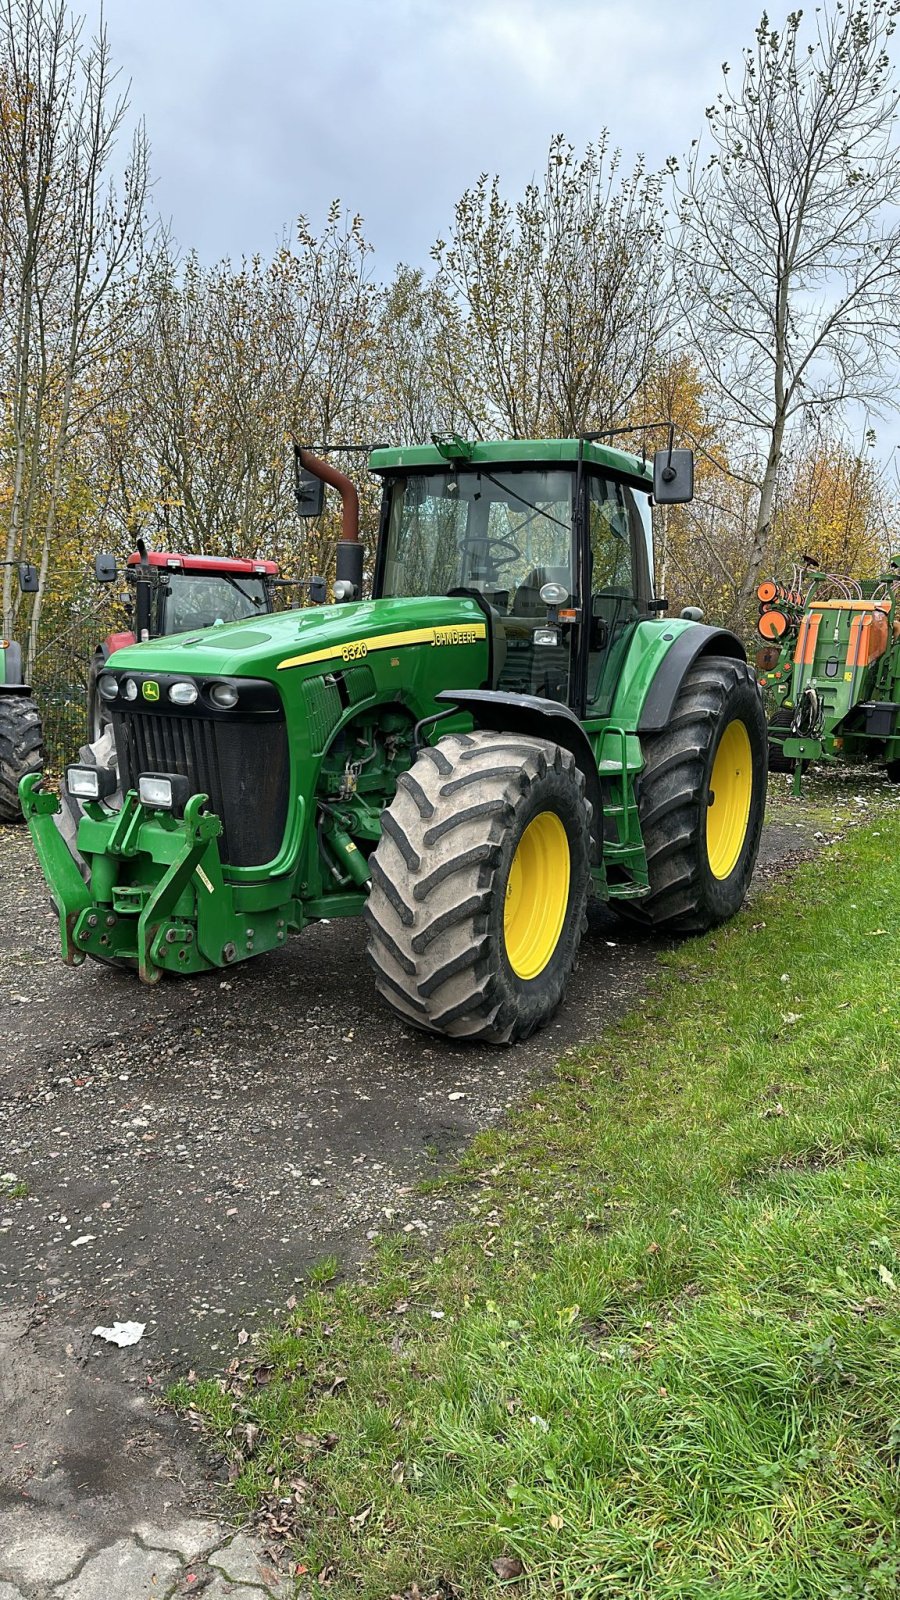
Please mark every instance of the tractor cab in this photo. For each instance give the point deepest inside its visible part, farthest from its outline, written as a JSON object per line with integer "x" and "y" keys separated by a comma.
{"x": 183, "y": 592}
{"x": 558, "y": 554}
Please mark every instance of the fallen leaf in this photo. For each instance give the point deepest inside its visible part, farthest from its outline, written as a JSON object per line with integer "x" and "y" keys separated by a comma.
{"x": 555, "y": 1521}
{"x": 243, "y": 1336}
{"x": 507, "y": 1567}
{"x": 361, "y": 1517}
{"x": 886, "y": 1277}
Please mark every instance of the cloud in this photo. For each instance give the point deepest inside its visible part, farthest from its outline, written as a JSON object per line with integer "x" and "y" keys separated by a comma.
{"x": 257, "y": 113}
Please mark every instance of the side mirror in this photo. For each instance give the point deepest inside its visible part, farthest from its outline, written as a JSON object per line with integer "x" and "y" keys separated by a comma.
{"x": 29, "y": 582}
{"x": 309, "y": 491}
{"x": 105, "y": 569}
{"x": 673, "y": 477}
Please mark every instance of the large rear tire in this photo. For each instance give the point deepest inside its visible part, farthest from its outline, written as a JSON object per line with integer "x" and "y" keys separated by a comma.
{"x": 21, "y": 749}
{"x": 479, "y": 886}
{"x": 702, "y": 800}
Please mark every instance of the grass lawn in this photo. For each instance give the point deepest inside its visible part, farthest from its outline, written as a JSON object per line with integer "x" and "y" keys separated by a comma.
{"x": 658, "y": 1354}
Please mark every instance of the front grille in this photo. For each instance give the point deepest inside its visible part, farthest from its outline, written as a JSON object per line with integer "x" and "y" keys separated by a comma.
{"x": 241, "y": 765}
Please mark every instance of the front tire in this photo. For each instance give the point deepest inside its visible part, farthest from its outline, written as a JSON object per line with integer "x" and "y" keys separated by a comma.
{"x": 21, "y": 750}
{"x": 479, "y": 886}
{"x": 702, "y": 800}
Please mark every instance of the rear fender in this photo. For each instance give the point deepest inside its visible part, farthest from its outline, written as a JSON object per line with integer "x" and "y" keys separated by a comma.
{"x": 659, "y": 658}
{"x": 542, "y": 719}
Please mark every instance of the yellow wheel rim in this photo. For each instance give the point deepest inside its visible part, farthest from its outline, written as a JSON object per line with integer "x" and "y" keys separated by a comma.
{"x": 537, "y": 894}
{"x": 730, "y": 793}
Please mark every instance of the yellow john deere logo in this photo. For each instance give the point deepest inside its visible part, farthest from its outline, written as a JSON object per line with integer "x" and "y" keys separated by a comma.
{"x": 150, "y": 690}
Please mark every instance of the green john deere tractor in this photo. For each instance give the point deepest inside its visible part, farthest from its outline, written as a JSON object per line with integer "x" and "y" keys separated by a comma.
{"x": 507, "y": 727}
{"x": 830, "y": 663}
{"x": 21, "y": 738}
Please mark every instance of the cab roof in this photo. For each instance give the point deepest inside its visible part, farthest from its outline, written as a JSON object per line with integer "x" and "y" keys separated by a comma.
{"x": 512, "y": 452}
{"x": 235, "y": 565}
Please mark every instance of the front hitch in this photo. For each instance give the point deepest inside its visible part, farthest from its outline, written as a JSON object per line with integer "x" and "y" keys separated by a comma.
{"x": 70, "y": 893}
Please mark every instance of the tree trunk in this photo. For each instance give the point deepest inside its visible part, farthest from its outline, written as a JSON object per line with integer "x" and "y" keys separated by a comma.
{"x": 763, "y": 527}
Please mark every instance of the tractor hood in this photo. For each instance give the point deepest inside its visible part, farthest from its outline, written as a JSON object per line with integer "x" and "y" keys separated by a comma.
{"x": 290, "y": 639}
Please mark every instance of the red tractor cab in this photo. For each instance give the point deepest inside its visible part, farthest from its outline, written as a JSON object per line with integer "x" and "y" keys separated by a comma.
{"x": 173, "y": 593}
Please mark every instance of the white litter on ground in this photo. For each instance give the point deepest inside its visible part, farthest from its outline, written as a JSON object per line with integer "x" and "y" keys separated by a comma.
{"x": 121, "y": 1333}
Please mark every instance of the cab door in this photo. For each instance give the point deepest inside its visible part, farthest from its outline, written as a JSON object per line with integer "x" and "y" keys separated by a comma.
{"x": 620, "y": 585}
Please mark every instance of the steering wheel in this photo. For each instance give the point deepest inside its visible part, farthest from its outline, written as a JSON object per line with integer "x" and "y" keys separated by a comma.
{"x": 514, "y": 553}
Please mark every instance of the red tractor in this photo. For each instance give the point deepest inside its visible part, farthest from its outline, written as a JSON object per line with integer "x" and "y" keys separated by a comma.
{"x": 178, "y": 594}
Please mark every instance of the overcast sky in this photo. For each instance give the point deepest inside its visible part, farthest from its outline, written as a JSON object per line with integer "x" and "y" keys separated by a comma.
{"x": 259, "y": 110}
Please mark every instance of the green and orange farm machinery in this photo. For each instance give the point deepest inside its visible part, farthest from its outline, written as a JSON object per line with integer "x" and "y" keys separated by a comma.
{"x": 830, "y": 667}
{"x": 493, "y": 723}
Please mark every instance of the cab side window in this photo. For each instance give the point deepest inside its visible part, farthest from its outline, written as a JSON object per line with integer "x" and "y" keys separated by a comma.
{"x": 619, "y": 583}
{"x": 611, "y": 544}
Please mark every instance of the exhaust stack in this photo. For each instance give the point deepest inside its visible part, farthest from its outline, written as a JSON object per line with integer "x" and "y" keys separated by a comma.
{"x": 349, "y": 566}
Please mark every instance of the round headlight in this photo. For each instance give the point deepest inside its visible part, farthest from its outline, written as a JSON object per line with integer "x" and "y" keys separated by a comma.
{"x": 108, "y": 686}
{"x": 183, "y": 694}
{"x": 130, "y": 689}
{"x": 224, "y": 695}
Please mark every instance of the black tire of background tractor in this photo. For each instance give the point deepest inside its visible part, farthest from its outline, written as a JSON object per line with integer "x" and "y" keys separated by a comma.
{"x": 99, "y": 718}
{"x": 685, "y": 896}
{"x": 892, "y": 772}
{"x": 21, "y": 750}
{"x": 435, "y": 913}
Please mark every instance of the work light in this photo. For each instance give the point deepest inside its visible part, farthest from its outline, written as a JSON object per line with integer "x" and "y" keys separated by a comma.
{"x": 162, "y": 791}
{"x": 91, "y": 783}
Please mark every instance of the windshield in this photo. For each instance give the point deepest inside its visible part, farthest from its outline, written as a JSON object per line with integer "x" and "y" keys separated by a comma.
{"x": 503, "y": 533}
{"x": 199, "y": 599}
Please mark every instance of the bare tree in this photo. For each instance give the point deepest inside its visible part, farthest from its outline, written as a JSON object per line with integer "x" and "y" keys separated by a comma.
{"x": 550, "y": 308}
{"x": 73, "y": 246}
{"x": 788, "y": 259}
{"x": 229, "y": 362}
